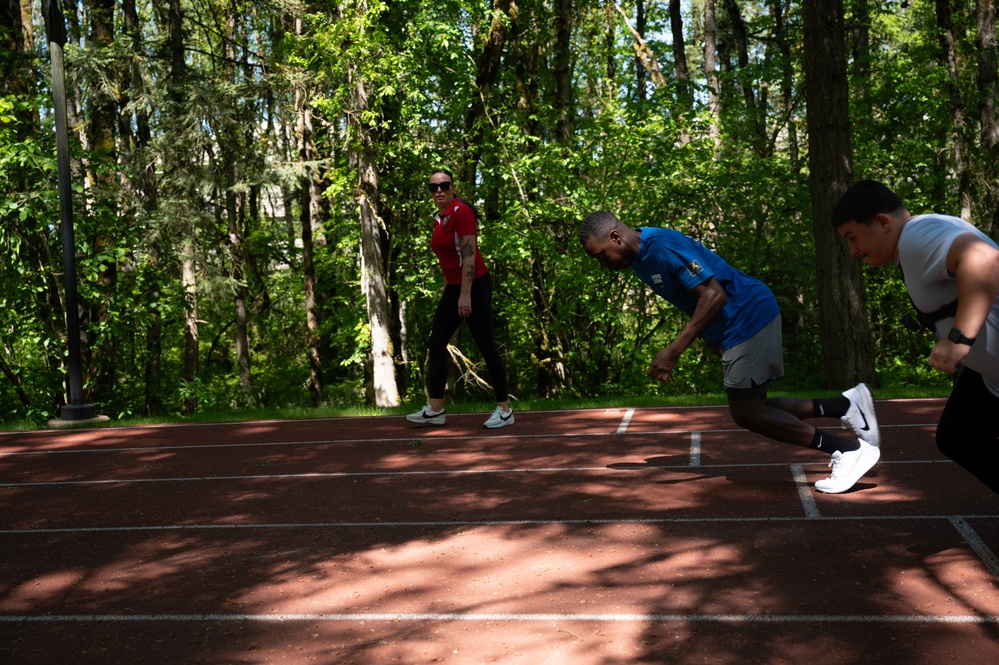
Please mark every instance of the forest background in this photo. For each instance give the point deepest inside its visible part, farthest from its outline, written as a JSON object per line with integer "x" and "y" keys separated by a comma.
{"x": 252, "y": 221}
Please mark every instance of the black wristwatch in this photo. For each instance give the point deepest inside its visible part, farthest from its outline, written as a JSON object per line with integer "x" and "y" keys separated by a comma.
{"x": 958, "y": 337}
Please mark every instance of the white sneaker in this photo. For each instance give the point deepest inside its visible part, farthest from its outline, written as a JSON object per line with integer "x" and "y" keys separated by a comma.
{"x": 499, "y": 418}
{"x": 860, "y": 417}
{"x": 848, "y": 467}
{"x": 427, "y": 416}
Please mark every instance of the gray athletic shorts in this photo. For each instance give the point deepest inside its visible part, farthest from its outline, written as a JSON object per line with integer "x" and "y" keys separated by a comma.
{"x": 751, "y": 365}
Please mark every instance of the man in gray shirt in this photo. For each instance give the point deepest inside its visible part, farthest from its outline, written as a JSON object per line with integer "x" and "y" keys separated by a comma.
{"x": 951, "y": 271}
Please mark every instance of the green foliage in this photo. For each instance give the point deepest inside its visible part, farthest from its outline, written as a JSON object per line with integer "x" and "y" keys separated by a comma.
{"x": 205, "y": 171}
{"x": 30, "y": 351}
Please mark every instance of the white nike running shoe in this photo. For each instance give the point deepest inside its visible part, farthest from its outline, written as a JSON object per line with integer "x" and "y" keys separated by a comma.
{"x": 848, "y": 467}
{"x": 427, "y": 416}
{"x": 860, "y": 417}
{"x": 499, "y": 418}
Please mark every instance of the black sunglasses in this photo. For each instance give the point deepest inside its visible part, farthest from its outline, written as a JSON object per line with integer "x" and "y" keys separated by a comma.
{"x": 444, "y": 186}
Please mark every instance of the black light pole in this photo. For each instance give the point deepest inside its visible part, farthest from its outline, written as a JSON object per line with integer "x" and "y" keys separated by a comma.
{"x": 76, "y": 410}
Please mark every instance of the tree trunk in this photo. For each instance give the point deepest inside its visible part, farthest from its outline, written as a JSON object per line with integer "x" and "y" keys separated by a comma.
{"x": 16, "y": 43}
{"x": 175, "y": 161}
{"x": 679, "y": 47}
{"x": 146, "y": 186}
{"x": 639, "y": 65}
{"x": 101, "y": 138}
{"x": 487, "y": 69}
{"x": 308, "y": 197}
{"x": 189, "y": 283}
{"x": 988, "y": 85}
{"x": 861, "y": 46}
{"x": 237, "y": 246}
{"x": 685, "y": 93}
{"x": 154, "y": 336}
{"x": 374, "y": 281}
{"x": 787, "y": 84}
{"x": 383, "y": 389}
{"x": 563, "y": 71}
{"x": 844, "y": 331}
{"x": 742, "y": 52}
{"x": 711, "y": 70}
{"x": 948, "y": 58}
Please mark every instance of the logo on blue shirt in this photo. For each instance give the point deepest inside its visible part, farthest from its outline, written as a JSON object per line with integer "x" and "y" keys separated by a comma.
{"x": 695, "y": 268}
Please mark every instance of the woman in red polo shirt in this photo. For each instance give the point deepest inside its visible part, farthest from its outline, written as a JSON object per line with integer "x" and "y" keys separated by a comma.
{"x": 468, "y": 295}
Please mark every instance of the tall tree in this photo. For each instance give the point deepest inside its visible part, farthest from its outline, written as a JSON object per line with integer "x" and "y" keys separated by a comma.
{"x": 711, "y": 69}
{"x": 948, "y": 58}
{"x": 684, "y": 85}
{"x": 311, "y": 207}
{"x": 103, "y": 208}
{"x": 562, "y": 68}
{"x": 374, "y": 234}
{"x": 640, "y": 91}
{"x": 988, "y": 91}
{"x": 487, "y": 68}
{"x": 844, "y": 331}
{"x": 784, "y": 42}
{"x": 861, "y": 50}
{"x": 232, "y": 132}
{"x": 140, "y": 163}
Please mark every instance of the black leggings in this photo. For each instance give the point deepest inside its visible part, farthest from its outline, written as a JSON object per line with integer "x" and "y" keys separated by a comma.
{"x": 480, "y": 323}
{"x": 968, "y": 431}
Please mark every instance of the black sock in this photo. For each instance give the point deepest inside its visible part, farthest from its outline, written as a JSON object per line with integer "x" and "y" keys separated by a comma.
{"x": 830, "y": 443}
{"x": 830, "y": 407}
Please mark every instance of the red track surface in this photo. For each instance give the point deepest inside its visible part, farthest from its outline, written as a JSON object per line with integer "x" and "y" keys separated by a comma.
{"x": 596, "y": 537}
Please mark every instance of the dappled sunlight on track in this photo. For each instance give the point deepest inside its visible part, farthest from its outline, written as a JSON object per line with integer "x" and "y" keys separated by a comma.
{"x": 590, "y": 537}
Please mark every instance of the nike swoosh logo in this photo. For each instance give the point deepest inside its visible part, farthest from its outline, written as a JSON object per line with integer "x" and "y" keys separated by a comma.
{"x": 425, "y": 415}
{"x": 507, "y": 417}
{"x": 866, "y": 427}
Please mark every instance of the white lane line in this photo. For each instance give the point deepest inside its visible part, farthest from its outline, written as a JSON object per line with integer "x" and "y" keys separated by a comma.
{"x": 396, "y": 439}
{"x": 976, "y": 543}
{"x": 695, "y": 449}
{"x": 46, "y": 433}
{"x": 292, "y": 476}
{"x": 450, "y": 524}
{"x": 430, "y": 472}
{"x": 133, "y": 449}
{"x": 623, "y": 427}
{"x": 400, "y": 439}
{"x": 805, "y": 492}
{"x": 454, "y": 616}
{"x": 249, "y": 424}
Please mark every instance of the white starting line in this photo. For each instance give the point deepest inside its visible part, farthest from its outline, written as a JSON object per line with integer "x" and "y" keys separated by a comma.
{"x": 486, "y": 617}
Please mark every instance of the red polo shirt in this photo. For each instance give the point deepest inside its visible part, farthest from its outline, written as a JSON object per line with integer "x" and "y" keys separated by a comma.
{"x": 456, "y": 222}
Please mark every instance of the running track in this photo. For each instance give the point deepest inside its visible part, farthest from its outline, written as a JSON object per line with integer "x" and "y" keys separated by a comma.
{"x": 582, "y": 537}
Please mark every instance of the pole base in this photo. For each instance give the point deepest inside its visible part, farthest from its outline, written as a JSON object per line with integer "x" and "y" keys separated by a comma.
{"x": 77, "y": 414}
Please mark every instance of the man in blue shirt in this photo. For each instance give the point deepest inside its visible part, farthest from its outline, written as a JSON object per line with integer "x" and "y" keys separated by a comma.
{"x": 739, "y": 319}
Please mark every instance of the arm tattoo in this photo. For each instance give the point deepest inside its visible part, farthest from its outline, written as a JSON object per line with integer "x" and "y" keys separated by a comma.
{"x": 467, "y": 246}
{"x": 468, "y": 254}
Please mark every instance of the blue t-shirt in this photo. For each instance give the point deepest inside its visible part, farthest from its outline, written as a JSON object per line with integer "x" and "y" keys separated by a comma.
{"x": 673, "y": 264}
